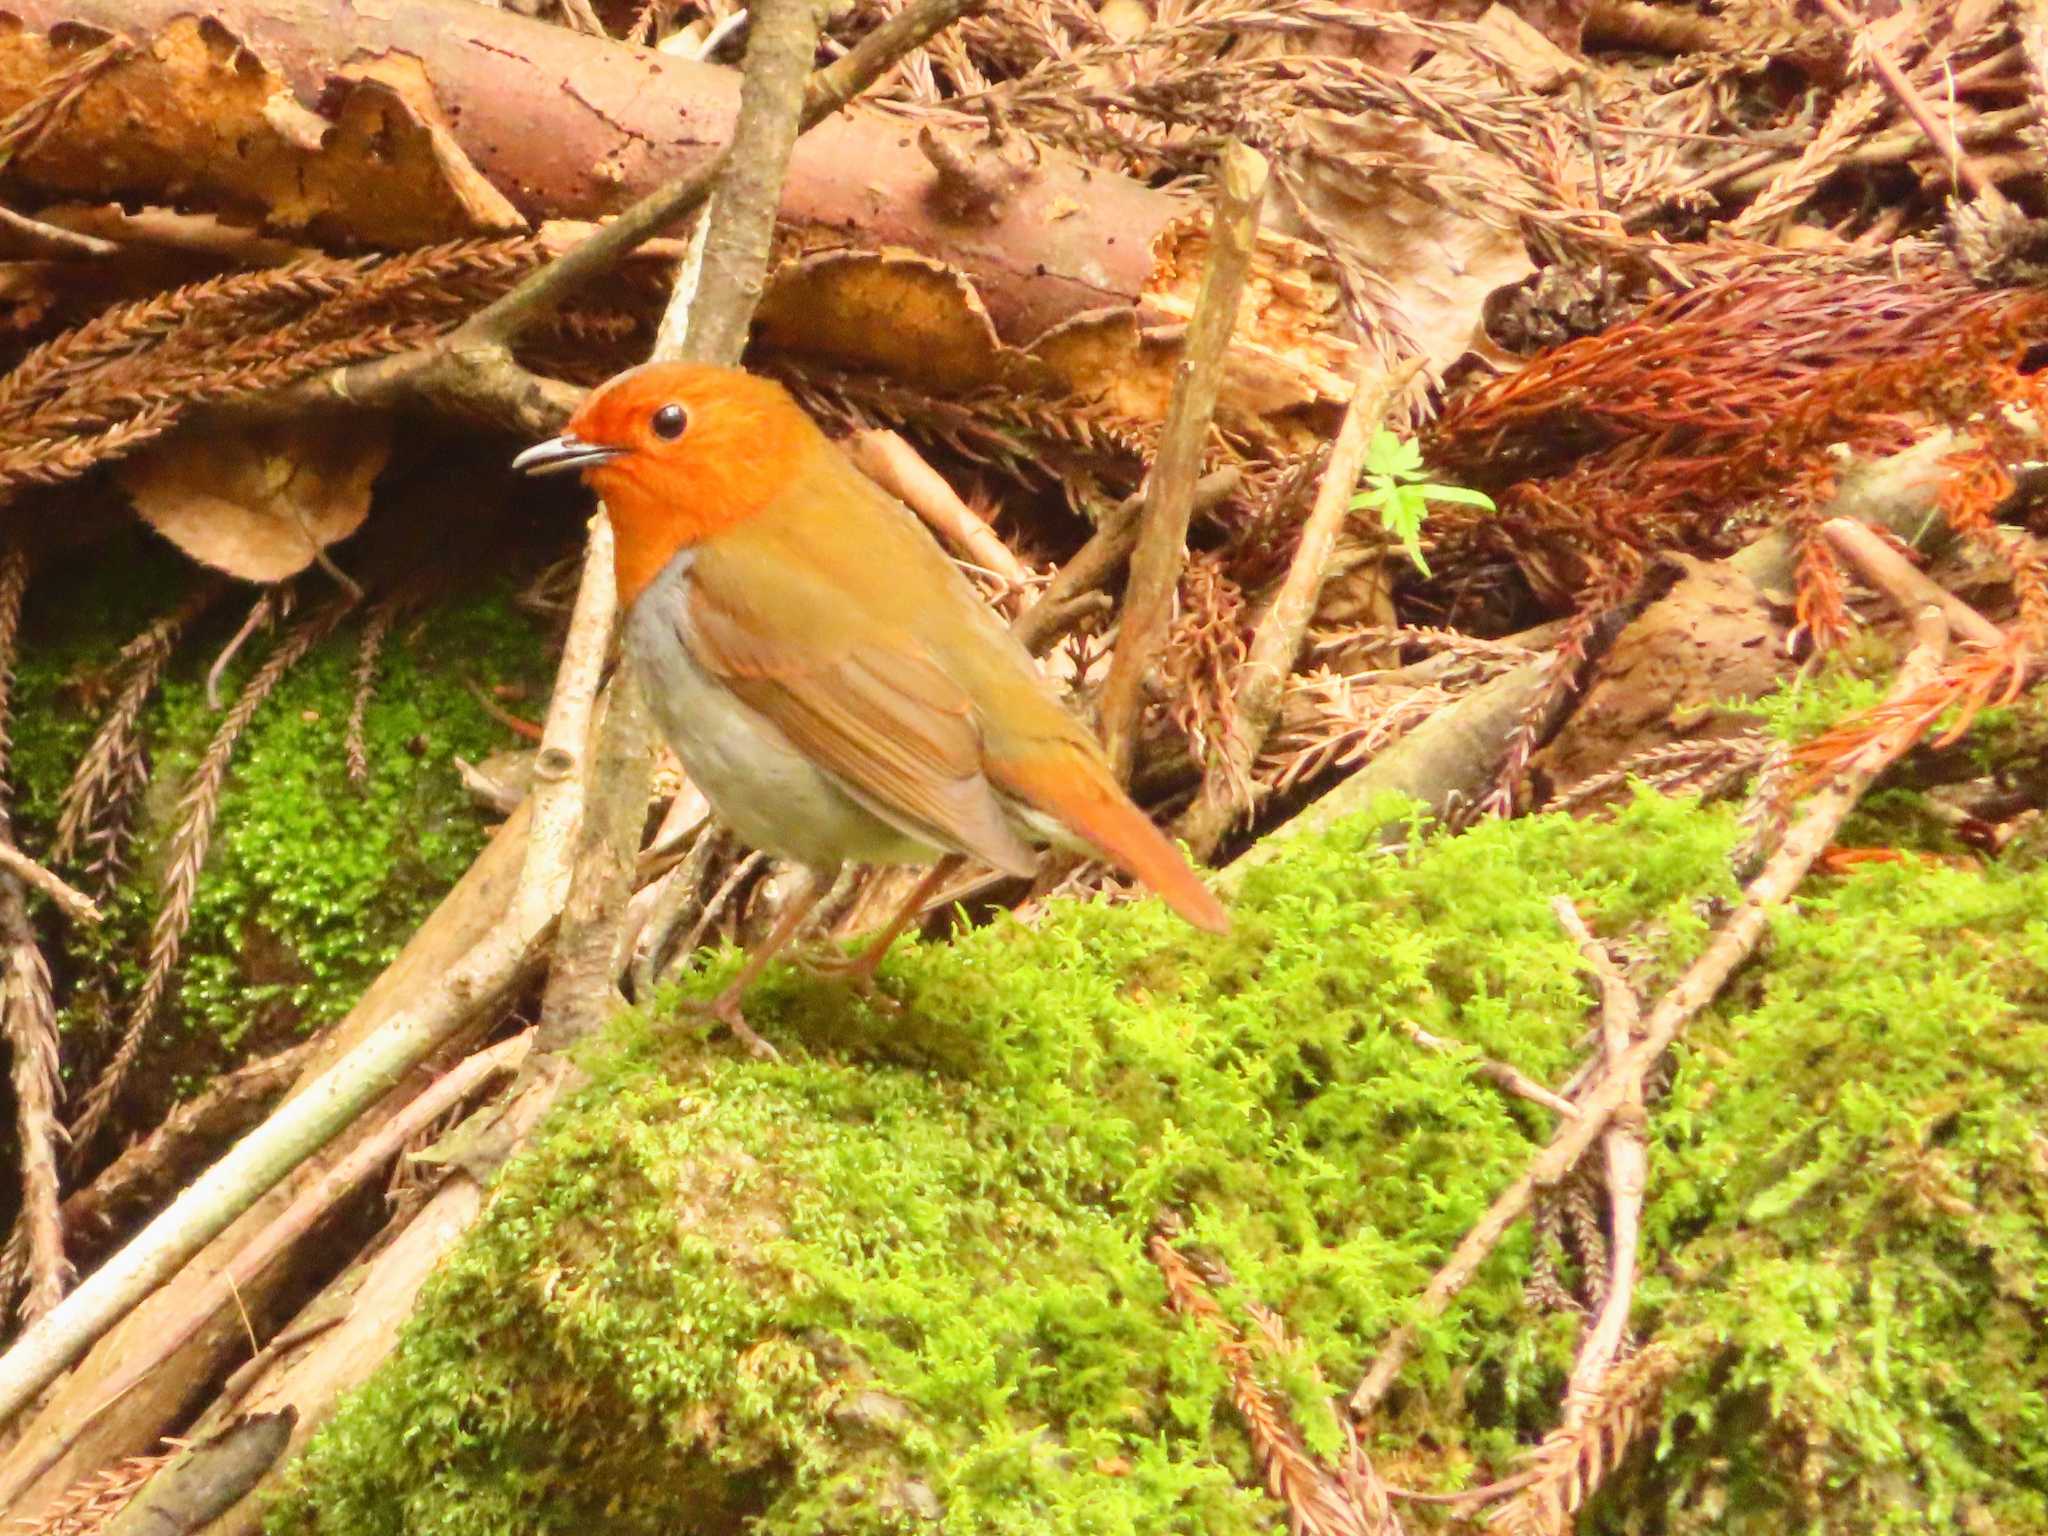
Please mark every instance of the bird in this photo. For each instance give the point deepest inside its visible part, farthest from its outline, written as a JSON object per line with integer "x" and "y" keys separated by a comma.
{"x": 828, "y": 678}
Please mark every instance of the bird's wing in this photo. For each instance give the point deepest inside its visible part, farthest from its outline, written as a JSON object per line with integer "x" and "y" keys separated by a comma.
{"x": 861, "y": 701}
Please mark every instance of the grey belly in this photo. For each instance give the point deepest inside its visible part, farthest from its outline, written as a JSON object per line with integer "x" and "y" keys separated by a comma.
{"x": 770, "y": 794}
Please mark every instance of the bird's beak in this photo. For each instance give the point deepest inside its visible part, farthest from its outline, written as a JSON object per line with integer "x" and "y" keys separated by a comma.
{"x": 565, "y": 452}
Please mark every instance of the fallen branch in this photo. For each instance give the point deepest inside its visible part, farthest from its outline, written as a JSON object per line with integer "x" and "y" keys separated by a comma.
{"x": 321, "y": 1109}
{"x": 204, "y": 1480}
{"x": 889, "y": 461}
{"x": 1073, "y": 592}
{"x": 1169, "y": 489}
{"x": 1898, "y": 579}
{"x": 471, "y": 369}
{"x": 1962, "y": 170}
{"x": 1627, "y": 1172}
{"x": 1276, "y": 643}
{"x": 1737, "y": 938}
{"x": 73, "y": 903}
{"x": 313, "y": 1202}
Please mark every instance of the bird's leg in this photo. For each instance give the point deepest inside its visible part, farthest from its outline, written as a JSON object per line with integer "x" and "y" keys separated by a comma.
{"x": 726, "y": 1006}
{"x": 859, "y": 970}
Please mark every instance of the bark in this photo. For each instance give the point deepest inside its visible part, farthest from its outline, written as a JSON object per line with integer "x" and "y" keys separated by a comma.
{"x": 564, "y": 125}
{"x": 204, "y": 1481}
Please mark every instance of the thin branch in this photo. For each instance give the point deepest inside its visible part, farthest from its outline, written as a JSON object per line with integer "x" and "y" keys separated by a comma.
{"x": 1156, "y": 562}
{"x": 1627, "y": 1172}
{"x": 1905, "y": 584}
{"x": 73, "y": 903}
{"x": 1731, "y": 946}
{"x": 318, "y": 1197}
{"x": 1276, "y": 643}
{"x": 472, "y": 368}
{"x": 1962, "y": 170}
{"x": 1067, "y": 597}
{"x": 1499, "y": 1073}
{"x": 887, "y": 459}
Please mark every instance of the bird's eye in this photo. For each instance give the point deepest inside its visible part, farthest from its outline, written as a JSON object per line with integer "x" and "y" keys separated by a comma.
{"x": 670, "y": 421}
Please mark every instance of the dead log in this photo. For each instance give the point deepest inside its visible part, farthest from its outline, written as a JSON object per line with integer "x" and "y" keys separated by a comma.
{"x": 559, "y": 124}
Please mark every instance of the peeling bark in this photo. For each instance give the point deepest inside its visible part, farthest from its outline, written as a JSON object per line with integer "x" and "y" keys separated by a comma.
{"x": 564, "y": 125}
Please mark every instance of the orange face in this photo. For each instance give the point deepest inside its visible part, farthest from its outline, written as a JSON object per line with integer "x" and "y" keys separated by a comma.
{"x": 678, "y": 451}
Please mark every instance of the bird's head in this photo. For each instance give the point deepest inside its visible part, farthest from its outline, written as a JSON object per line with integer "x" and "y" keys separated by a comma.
{"x": 679, "y": 452}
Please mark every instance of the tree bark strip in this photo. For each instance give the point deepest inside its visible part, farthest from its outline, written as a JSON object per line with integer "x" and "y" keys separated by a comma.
{"x": 569, "y": 126}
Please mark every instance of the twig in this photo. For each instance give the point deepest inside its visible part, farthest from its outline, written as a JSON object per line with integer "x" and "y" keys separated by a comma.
{"x": 1500, "y": 1073}
{"x": 1905, "y": 584}
{"x": 1627, "y": 1172}
{"x": 205, "y": 1480}
{"x": 1962, "y": 170}
{"x": 781, "y": 40}
{"x": 27, "y": 1011}
{"x": 1276, "y": 643}
{"x": 33, "y": 238}
{"x": 525, "y": 730}
{"x": 782, "y": 37}
{"x": 1068, "y": 596}
{"x": 1808, "y": 837}
{"x": 74, "y": 904}
{"x": 318, "y": 1197}
{"x": 1241, "y": 175}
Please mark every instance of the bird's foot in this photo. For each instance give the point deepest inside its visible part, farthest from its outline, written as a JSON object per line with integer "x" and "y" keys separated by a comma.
{"x": 725, "y": 1009}
{"x": 855, "y": 972}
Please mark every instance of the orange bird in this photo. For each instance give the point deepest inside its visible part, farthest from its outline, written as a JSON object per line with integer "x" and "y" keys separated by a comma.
{"x": 828, "y": 678}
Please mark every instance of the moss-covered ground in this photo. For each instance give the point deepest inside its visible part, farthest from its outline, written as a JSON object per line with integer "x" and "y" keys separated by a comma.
{"x": 898, "y": 1281}
{"x": 312, "y": 882}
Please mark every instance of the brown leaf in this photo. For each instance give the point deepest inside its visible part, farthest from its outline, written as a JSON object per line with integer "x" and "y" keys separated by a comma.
{"x": 260, "y": 501}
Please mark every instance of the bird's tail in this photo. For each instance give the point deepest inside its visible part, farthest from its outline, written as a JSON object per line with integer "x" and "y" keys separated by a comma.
{"x": 1084, "y": 798}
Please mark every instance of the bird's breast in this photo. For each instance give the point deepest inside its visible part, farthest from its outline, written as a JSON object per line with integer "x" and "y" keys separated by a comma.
{"x": 760, "y": 785}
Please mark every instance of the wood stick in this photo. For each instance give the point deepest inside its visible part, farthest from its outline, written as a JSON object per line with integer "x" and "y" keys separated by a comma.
{"x": 1962, "y": 170}
{"x": 1738, "y": 937}
{"x": 1627, "y": 1171}
{"x": 1241, "y": 175}
{"x": 1276, "y": 643}
{"x": 204, "y": 1480}
{"x": 447, "y": 1091}
{"x": 1909, "y": 588}
{"x": 1500, "y": 1073}
{"x": 892, "y": 463}
{"x": 1066, "y": 597}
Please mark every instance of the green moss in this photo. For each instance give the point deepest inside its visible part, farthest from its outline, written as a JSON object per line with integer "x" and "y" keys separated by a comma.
{"x": 904, "y": 1270}
{"x": 312, "y": 883}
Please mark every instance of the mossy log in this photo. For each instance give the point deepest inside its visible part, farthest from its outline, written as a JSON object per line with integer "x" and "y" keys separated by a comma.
{"x": 900, "y": 1279}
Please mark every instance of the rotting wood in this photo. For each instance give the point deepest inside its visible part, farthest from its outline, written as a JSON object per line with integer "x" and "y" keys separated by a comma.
{"x": 1063, "y": 242}
{"x": 205, "y": 1480}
